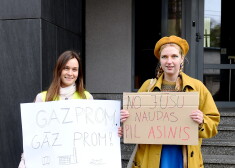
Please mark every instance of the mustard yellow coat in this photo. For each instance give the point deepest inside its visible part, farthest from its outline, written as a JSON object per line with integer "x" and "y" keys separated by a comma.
{"x": 148, "y": 156}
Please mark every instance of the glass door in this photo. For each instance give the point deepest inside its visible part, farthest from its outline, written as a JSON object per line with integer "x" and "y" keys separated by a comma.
{"x": 219, "y": 52}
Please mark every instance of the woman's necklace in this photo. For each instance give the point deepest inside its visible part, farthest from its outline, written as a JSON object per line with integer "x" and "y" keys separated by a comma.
{"x": 67, "y": 92}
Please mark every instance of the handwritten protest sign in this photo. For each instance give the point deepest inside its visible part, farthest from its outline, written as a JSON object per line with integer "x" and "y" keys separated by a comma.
{"x": 160, "y": 118}
{"x": 71, "y": 134}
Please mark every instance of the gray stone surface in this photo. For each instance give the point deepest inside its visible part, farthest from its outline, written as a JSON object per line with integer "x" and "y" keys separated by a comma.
{"x": 53, "y": 11}
{"x": 108, "y": 96}
{"x": 63, "y": 13}
{"x": 30, "y": 45}
{"x": 68, "y": 40}
{"x": 227, "y": 120}
{"x": 220, "y": 159}
{"x": 74, "y": 13}
{"x": 218, "y": 150}
{"x": 108, "y": 46}
{"x": 20, "y": 81}
{"x": 49, "y": 52}
{"x": 225, "y": 132}
{"x": 218, "y": 166}
{"x": 18, "y": 9}
{"x": 55, "y": 40}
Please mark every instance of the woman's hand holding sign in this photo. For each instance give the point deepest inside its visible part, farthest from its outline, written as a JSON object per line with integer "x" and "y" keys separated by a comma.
{"x": 197, "y": 116}
{"x": 124, "y": 115}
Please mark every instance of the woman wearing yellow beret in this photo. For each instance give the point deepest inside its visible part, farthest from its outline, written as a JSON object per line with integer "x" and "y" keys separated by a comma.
{"x": 171, "y": 52}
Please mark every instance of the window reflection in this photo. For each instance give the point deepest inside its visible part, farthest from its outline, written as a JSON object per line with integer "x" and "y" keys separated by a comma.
{"x": 220, "y": 90}
{"x": 174, "y": 17}
{"x": 148, "y": 31}
{"x": 212, "y": 23}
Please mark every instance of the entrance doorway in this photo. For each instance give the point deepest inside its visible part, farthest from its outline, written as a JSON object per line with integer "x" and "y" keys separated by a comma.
{"x": 153, "y": 20}
{"x": 212, "y": 59}
{"x": 147, "y": 31}
{"x": 219, "y": 52}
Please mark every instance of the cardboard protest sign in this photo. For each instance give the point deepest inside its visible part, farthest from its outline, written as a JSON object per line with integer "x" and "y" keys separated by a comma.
{"x": 160, "y": 118}
{"x": 71, "y": 134}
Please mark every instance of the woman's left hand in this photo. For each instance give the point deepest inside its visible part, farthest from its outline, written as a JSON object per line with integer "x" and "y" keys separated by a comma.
{"x": 120, "y": 132}
{"x": 197, "y": 116}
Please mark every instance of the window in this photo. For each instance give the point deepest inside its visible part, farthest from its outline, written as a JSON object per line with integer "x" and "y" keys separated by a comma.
{"x": 148, "y": 19}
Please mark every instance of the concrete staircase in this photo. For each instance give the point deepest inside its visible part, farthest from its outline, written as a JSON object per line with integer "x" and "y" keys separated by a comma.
{"x": 218, "y": 152}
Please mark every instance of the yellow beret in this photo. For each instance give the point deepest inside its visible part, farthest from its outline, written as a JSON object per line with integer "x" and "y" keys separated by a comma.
{"x": 171, "y": 39}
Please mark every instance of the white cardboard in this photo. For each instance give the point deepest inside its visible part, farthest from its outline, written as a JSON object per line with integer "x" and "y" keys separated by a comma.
{"x": 71, "y": 134}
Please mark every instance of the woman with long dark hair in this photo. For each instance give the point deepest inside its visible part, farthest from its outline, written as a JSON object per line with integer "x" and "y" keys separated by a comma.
{"x": 67, "y": 83}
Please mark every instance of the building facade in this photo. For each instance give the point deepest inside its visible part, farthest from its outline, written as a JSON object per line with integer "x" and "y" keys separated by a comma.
{"x": 116, "y": 40}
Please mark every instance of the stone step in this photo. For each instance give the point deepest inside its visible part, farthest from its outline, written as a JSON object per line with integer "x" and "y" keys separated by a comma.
{"x": 210, "y": 161}
{"x": 211, "y": 165}
{"x": 226, "y": 132}
{"x": 126, "y": 155}
{"x": 209, "y": 147}
{"x": 219, "y": 161}
{"x": 124, "y": 164}
{"x": 218, "y": 147}
{"x": 227, "y": 110}
{"x": 227, "y": 117}
{"x": 125, "y": 158}
{"x": 127, "y": 147}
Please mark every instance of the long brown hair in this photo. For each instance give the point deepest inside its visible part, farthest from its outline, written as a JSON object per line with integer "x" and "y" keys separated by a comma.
{"x": 159, "y": 69}
{"x": 54, "y": 89}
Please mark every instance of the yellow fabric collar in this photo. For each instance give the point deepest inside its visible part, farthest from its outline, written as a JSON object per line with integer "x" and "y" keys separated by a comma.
{"x": 187, "y": 81}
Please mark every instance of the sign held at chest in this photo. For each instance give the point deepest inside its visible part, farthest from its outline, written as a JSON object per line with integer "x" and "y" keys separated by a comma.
{"x": 160, "y": 118}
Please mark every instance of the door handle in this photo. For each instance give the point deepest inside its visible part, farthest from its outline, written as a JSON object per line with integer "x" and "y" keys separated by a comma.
{"x": 198, "y": 37}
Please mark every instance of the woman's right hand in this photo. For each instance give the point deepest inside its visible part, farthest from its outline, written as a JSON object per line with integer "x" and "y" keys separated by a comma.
{"x": 124, "y": 115}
